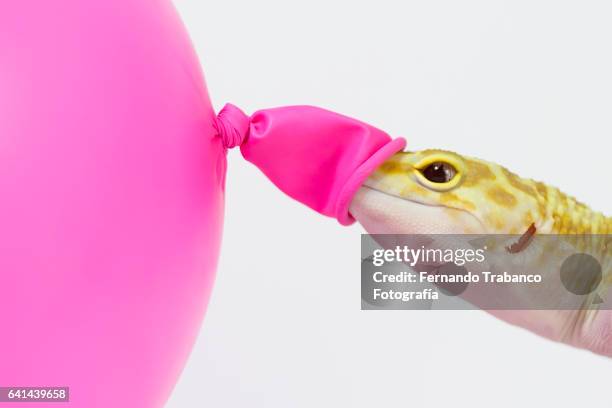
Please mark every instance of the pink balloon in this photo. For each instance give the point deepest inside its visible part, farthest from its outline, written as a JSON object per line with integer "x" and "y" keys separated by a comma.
{"x": 112, "y": 199}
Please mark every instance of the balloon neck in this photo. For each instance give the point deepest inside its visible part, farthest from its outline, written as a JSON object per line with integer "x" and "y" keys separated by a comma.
{"x": 232, "y": 125}
{"x": 315, "y": 156}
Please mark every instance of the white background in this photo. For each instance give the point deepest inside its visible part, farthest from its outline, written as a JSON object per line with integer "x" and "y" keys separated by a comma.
{"x": 527, "y": 84}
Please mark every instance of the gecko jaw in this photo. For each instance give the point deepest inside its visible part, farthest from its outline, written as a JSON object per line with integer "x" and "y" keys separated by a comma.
{"x": 366, "y": 189}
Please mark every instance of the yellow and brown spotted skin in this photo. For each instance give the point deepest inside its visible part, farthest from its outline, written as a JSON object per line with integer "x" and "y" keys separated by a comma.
{"x": 503, "y": 202}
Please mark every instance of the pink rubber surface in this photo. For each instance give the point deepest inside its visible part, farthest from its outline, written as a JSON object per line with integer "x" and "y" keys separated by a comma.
{"x": 315, "y": 156}
{"x": 112, "y": 179}
{"x": 111, "y": 199}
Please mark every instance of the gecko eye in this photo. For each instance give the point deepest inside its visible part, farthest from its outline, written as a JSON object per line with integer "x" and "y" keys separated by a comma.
{"x": 439, "y": 172}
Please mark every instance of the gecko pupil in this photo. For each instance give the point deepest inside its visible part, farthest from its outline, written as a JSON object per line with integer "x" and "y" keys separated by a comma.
{"x": 439, "y": 172}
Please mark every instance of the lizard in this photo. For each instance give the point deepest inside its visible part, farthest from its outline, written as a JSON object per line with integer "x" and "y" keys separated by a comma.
{"x": 437, "y": 191}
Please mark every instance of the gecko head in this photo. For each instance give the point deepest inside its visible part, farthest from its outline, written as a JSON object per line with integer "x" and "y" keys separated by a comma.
{"x": 437, "y": 191}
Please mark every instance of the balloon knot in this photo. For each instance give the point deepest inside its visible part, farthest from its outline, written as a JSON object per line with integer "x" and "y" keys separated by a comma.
{"x": 232, "y": 125}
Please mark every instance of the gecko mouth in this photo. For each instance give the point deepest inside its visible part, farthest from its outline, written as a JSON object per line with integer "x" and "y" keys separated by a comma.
{"x": 461, "y": 210}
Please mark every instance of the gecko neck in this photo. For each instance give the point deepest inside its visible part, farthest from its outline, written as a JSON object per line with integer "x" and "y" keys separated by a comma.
{"x": 565, "y": 215}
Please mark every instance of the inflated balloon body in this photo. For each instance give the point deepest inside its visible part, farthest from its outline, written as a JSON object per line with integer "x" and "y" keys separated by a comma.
{"x": 112, "y": 170}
